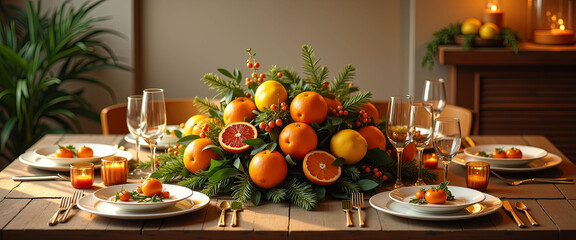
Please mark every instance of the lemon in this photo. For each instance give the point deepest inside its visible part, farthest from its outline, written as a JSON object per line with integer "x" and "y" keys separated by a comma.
{"x": 268, "y": 93}
{"x": 489, "y": 31}
{"x": 350, "y": 145}
{"x": 191, "y": 123}
{"x": 471, "y": 26}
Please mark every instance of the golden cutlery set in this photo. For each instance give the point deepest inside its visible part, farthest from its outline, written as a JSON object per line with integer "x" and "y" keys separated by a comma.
{"x": 225, "y": 206}
{"x": 521, "y": 207}
{"x": 66, "y": 205}
{"x": 357, "y": 202}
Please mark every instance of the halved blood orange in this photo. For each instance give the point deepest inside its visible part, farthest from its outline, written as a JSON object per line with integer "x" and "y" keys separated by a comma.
{"x": 318, "y": 168}
{"x": 233, "y": 134}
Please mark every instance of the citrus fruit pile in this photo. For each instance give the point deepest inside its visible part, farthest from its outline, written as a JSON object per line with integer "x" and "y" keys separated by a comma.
{"x": 276, "y": 136}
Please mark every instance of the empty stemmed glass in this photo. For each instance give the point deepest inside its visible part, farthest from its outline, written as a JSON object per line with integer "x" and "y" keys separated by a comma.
{"x": 153, "y": 120}
{"x": 435, "y": 93}
{"x": 133, "y": 114}
{"x": 423, "y": 128}
{"x": 446, "y": 140}
{"x": 399, "y": 128}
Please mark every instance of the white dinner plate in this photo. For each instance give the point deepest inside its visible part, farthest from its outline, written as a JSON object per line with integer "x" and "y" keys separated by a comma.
{"x": 529, "y": 154}
{"x": 383, "y": 203}
{"x": 166, "y": 141}
{"x": 551, "y": 160}
{"x": 108, "y": 195}
{"x": 195, "y": 202}
{"x": 30, "y": 159}
{"x": 463, "y": 197}
{"x": 100, "y": 151}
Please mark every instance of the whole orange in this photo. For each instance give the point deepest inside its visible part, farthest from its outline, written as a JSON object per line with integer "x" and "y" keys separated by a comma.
{"x": 268, "y": 93}
{"x": 268, "y": 169}
{"x": 332, "y": 103}
{"x": 193, "y": 125}
{"x": 409, "y": 152}
{"x": 197, "y": 158}
{"x": 151, "y": 187}
{"x": 372, "y": 111}
{"x": 297, "y": 139}
{"x": 374, "y": 137}
{"x": 350, "y": 145}
{"x": 308, "y": 107}
{"x": 239, "y": 110}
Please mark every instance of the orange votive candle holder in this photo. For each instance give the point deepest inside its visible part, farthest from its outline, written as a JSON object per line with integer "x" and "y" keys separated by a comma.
{"x": 82, "y": 174}
{"x": 477, "y": 175}
{"x": 114, "y": 170}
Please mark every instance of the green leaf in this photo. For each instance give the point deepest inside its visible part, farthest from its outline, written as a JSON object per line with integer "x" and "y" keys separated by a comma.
{"x": 290, "y": 160}
{"x": 366, "y": 184}
{"x": 320, "y": 192}
{"x": 187, "y": 139}
{"x": 223, "y": 173}
{"x": 256, "y": 198}
{"x": 215, "y": 164}
{"x": 271, "y": 146}
{"x": 237, "y": 76}
{"x": 225, "y": 73}
{"x": 339, "y": 161}
{"x": 216, "y": 149}
{"x": 254, "y": 142}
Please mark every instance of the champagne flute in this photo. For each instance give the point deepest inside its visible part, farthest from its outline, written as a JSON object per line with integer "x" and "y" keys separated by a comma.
{"x": 435, "y": 93}
{"x": 399, "y": 128}
{"x": 133, "y": 112}
{"x": 153, "y": 120}
{"x": 446, "y": 140}
{"x": 423, "y": 128}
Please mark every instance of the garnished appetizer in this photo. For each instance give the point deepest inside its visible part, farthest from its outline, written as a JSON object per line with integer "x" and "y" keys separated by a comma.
{"x": 500, "y": 153}
{"x": 434, "y": 195}
{"x": 71, "y": 152}
{"x": 150, "y": 191}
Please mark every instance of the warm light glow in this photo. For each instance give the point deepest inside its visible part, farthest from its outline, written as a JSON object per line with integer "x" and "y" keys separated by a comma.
{"x": 561, "y": 21}
{"x": 562, "y": 27}
{"x": 493, "y": 8}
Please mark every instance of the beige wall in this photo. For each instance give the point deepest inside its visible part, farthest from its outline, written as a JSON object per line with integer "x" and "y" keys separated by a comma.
{"x": 384, "y": 39}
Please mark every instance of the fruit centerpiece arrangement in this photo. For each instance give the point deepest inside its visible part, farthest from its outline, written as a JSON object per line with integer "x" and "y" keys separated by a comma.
{"x": 471, "y": 32}
{"x": 278, "y": 136}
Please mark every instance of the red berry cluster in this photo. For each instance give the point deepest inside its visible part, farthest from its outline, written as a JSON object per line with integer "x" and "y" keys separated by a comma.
{"x": 174, "y": 149}
{"x": 252, "y": 64}
{"x": 205, "y": 129}
{"x": 377, "y": 173}
{"x": 338, "y": 111}
{"x": 363, "y": 118}
{"x": 267, "y": 126}
{"x": 325, "y": 85}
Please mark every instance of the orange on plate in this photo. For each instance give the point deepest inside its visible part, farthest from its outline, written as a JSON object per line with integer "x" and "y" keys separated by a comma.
{"x": 268, "y": 169}
{"x": 233, "y": 134}
{"x": 151, "y": 187}
{"x": 297, "y": 139}
{"x": 374, "y": 137}
{"x": 318, "y": 168}
{"x": 308, "y": 107}
{"x": 197, "y": 158}
{"x": 239, "y": 110}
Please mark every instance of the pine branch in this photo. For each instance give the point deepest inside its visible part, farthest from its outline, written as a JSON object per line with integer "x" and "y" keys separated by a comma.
{"x": 276, "y": 195}
{"x": 355, "y": 101}
{"x": 347, "y": 185}
{"x": 341, "y": 84}
{"x": 291, "y": 76}
{"x": 170, "y": 171}
{"x": 317, "y": 74}
{"x": 352, "y": 172}
{"x": 227, "y": 89}
{"x": 443, "y": 36}
{"x": 301, "y": 193}
{"x": 205, "y": 105}
{"x": 215, "y": 187}
{"x": 195, "y": 181}
{"x": 243, "y": 188}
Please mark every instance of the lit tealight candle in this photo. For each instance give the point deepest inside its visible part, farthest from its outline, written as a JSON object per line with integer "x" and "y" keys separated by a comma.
{"x": 114, "y": 170}
{"x": 82, "y": 174}
{"x": 431, "y": 161}
{"x": 493, "y": 14}
{"x": 477, "y": 175}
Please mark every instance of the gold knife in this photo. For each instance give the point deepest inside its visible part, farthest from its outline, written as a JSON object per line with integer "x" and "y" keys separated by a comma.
{"x": 509, "y": 208}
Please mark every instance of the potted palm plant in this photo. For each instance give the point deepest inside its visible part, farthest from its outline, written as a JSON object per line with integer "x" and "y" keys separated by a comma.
{"x": 38, "y": 54}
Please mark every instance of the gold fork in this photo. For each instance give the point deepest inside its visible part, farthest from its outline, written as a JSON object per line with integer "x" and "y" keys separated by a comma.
{"x": 358, "y": 202}
{"x": 64, "y": 203}
{"x": 346, "y": 206}
{"x": 75, "y": 197}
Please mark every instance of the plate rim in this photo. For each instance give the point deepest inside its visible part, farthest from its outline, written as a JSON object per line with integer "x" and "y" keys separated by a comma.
{"x": 506, "y": 146}
{"x": 435, "y": 217}
{"x": 90, "y": 159}
{"x": 555, "y": 159}
{"x": 202, "y": 198}
{"x": 437, "y": 207}
{"x": 151, "y": 205}
{"x": 25, "y": 158}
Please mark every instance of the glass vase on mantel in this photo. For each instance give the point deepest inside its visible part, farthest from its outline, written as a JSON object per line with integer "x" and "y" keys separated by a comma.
{"x": 552, "y": 21}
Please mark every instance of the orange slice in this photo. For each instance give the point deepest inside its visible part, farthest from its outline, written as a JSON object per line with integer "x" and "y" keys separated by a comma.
{"x": 233, "y": 134}
{"x": 318, "y": 168}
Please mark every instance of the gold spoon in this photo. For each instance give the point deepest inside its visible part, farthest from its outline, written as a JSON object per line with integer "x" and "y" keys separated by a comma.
{"x": 224, "y": 206}
{"x": 521, "y": 207}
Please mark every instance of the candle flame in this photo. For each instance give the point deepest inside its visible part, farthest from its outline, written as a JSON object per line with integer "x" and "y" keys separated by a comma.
{"x": 493, "y": 8}
{"x": 562, "y": 27}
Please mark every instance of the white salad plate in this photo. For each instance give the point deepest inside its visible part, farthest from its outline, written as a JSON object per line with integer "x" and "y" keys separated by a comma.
{"x": 529, "y": 154}
{"x": 30, "y": 159}
{"x": 100, "y": 151}
{"x": 108, "y": 195}
{"x": 551, "y": 160}
{"x": 195, "y": 202}
{"x": 166, "y": 141}
{"x": 463, "y": 197}
{"x": 383, "y": 202}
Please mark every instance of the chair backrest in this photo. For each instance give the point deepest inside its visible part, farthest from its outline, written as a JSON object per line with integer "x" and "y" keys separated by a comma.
{"x": 178, "y": 111}
{"x": 464, "y": 114}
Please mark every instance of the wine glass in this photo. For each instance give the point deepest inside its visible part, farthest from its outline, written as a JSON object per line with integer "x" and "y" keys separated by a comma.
{"x": 435, "y": 93}
{"x": 153, "y": 120}
{"x": 133, "y": 112}
{"x": 423, "y": 128}
{"x": 446, "y": 140}
{"x": 399, "y": 128}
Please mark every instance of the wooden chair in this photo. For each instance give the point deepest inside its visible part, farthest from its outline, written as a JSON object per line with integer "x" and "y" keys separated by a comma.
{"x": 178, "y": 111}
{"x": 464, "y": 114}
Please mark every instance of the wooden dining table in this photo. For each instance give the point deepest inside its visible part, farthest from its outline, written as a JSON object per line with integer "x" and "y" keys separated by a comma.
{"x": 26, "y": 207}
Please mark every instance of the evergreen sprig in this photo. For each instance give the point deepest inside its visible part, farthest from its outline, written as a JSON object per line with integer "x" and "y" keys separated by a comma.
{"x": 443, "y": 36}
{"x": 355, "y": 101}
{"x": 171, "y": 170}
{"x": 301, "y": 193}
{"x": 276, "y": 195}
{"x": 204, "y": 105}
{"x": 215, "y": 187}
{"x": 312, "y": 69}
{"x": 341, "y": 84}
{"x": 347, "y": 186}
{"x": 196, "y": 181}
{"x": 228, "y": 90}
{"x": 243, "y": 189}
